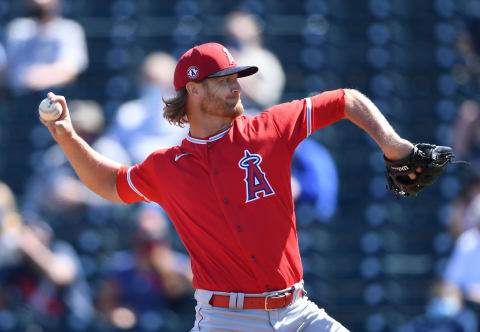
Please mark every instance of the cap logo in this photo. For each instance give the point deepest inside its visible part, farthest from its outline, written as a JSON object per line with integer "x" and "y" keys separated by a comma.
{"x": 192, "y": 72}
{"x": 229, "y": 56}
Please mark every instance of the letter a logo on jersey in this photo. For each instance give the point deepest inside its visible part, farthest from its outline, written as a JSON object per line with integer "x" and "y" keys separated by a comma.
{"x": 255, "y": 179}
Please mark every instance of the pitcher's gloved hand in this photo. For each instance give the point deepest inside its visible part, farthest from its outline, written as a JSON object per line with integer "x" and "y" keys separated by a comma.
{"x": 431, "y": 159}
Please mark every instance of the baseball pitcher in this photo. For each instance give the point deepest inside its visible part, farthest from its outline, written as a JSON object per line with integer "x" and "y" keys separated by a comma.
{"x": 226, "y": 188}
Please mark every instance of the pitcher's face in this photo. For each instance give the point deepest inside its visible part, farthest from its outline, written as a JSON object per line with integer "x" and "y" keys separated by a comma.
{"x": 221, "y": 97}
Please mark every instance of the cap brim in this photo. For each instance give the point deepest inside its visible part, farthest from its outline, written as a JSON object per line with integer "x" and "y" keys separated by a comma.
{"x": 241, "y": 71}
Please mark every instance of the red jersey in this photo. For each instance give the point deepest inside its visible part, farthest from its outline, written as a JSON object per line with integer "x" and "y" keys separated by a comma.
{"x": 229, "y": 195}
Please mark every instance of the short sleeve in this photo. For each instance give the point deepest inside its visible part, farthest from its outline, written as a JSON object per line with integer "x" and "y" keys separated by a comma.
{"x": 298, "y": 119}
{"x": 141, "y": 183}
{"x": 326, "y": 108}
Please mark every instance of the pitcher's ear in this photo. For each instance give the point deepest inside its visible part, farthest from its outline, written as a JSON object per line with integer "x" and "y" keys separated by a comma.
{"x": 192, "y": 88}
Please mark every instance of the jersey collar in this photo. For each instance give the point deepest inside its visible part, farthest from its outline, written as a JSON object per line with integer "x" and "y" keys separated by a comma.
{"x": 208, "y": 139}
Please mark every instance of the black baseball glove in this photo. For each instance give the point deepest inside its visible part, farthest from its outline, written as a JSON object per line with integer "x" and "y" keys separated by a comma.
{"x": 432, "y": 160}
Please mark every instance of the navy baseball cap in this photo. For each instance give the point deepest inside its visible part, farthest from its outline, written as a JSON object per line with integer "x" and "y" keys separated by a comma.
{"x": 207, "y": 60}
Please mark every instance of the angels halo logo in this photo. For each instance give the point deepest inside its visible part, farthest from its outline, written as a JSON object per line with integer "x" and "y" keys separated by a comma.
{"x": 255, "y": 179}
{"x": 192, "y": 72}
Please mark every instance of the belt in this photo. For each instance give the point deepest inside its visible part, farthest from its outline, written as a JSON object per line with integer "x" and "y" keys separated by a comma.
{"x": 269, "y": 302}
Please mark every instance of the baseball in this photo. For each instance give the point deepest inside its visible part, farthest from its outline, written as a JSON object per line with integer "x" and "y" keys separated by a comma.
{"x": 49, "y": 111}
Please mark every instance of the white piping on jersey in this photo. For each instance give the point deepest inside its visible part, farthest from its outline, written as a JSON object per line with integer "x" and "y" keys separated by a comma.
{"x": 309, "y": 116}
{"x": 130, "y": 183}
{"x": 211, "y": 139}
{"x": 178, "y": 156}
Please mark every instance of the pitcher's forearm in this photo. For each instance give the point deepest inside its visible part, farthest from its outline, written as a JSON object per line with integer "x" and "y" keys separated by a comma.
{"x": 363, "y": 112}
{"x": 97, "y": 172}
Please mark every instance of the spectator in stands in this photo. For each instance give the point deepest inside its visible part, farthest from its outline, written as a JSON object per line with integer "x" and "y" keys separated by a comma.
{"x": 43, "y": 51}
{"x": 139, "y": 124}
{"x": 461, "y": 218}
{"x": 39, "y": 275}
{"x": 462, "y": 268}
{"x": 315, "y": 179}
{"x": 154, "y": 281}
{"x": 468, "y": 46}
{"x": 10, "y": 222}
{"x": 445, "y": 312}
{"x": 246, "y": 45}
{"x": 466, "y": 134}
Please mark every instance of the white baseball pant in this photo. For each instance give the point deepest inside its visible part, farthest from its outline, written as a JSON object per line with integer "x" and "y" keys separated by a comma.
{"x": 301, "y": 315}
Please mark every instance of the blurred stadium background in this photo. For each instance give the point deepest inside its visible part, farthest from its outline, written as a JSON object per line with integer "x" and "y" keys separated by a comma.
{"x": 371, "y": 266}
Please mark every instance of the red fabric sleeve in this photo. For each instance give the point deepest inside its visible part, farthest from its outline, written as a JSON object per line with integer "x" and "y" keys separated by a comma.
{"x": 327, "y": 108}
{"x": 123, "y": 189}
{"x": 140, "y": 182}
{"x": 296, "y": 120}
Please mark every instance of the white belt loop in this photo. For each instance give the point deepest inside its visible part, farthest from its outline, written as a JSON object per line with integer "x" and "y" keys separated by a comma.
{"x": 240, "y": 297}
{"x": 232, "y": 304}
{"x": 236, "y": 301}
{"x": 298, "y": 288}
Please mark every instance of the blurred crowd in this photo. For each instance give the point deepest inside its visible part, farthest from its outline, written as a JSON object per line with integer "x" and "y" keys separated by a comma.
{"x": 70, "y": 261}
